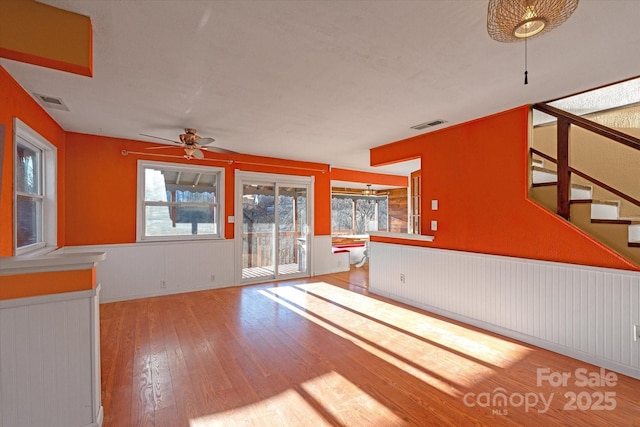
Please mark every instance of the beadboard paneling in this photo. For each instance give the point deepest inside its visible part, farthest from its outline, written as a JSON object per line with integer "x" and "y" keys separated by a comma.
{"x": 46, "y": 360}
{"x": 583, "y": 312}
{"x": 138, "y": 270}
{"x": 141, "y": 270}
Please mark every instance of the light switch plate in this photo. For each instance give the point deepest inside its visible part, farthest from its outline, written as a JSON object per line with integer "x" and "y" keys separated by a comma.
{"x": 231, "y": 219}
{"x": 434, "y": 225}
{"x": 434, "y": 205}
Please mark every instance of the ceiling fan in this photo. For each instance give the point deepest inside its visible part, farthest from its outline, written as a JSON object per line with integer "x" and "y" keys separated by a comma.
{"x": 192, "y": 143}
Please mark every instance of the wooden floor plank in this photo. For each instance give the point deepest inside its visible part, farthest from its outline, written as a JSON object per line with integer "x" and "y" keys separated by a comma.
{"x": 321, "y": 351}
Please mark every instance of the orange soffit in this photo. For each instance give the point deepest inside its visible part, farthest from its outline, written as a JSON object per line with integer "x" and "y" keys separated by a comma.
{"x": 44, "y": 35}
{"x": 338, "y": 174}
{"x": 46, "y": 283}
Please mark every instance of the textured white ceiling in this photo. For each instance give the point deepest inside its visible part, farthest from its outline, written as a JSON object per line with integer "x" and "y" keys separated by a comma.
{"x": 319, "y": 80}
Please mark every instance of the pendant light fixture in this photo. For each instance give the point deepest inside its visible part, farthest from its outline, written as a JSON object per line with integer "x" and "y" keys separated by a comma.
{"x": 516, "y": 20}
{"x": 368, "y": 191}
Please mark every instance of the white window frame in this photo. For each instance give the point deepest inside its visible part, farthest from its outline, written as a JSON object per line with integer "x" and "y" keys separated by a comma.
{"x": 48, "y": 238}
{"x": 179, "y": 167}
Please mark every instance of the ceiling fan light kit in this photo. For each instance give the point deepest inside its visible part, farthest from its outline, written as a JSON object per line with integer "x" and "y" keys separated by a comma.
{"x": 192, "y": 143}
{"x": 190, "y": 137}
{"x": 516, "y": 20}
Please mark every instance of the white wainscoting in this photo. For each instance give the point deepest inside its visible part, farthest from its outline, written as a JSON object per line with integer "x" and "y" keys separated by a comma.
{"x": 49, "y": 361}
{"x": 324, "y": 260}
{"x": 583, "y": 312}
{"x": 140, "y": 270}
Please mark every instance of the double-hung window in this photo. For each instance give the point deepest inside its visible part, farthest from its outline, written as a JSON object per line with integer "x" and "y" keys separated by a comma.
{"x": 178, "y": 202}
{"x": 34, "y": 190}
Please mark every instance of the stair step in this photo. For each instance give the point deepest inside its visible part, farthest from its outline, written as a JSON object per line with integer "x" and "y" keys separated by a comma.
{"x": 581, "y": 192}
{"x": 582, "y": 186}
{"x": 626, "y": 221}
{"x": 578, "y": 191}
{"x": 634, "y": 231}
{"x": 607, "y": 202}
{"x": 545, "y": 170}
{"x": 540, "y": 175}
{"x": 537, "y": 163}
{"x": 544, "y": 184}
{"x": 581, "y": 201}
{"x": 605, "y": 209}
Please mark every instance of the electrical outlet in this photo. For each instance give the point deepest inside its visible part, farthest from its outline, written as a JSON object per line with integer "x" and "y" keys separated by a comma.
{"x": 402, "y": 278}
{"x": 163, "y": 284}
{"x": 636, "y": 332}
{"x": 213, "y": 277}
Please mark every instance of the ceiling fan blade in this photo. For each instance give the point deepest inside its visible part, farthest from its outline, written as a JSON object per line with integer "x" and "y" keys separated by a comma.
{"x": 164, "y": 139}
{"x": 160, "y": 148}
{"x": 204, "y": 141}
{"x": 198, "y": 154}
{"x": 221, "y": 150}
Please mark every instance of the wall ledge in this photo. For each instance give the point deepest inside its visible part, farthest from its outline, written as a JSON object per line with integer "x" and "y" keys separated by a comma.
{"x": 54, "y": 261}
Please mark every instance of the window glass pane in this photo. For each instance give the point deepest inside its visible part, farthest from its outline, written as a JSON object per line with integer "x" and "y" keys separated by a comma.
{"x": 383, "y": 214}
{"x": 366, "y": 216}
{"x": 342, "y": 215}
{"x": 28, "y": 170}
{"x": 29, "y": 221}
{"x": 179, "y": 221}
{"x": 154, "y": 188}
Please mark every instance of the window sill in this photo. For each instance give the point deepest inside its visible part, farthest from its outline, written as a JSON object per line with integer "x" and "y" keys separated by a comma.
{"x": 34, "y": 253}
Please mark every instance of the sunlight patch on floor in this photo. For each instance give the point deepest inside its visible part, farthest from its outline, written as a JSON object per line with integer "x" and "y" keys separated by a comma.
{"x": 409, "y": 368}
{"x": 490, "y": 349}
{"x": 346, "y": 404}
{"x": 333, "y": 399}
{"x": 288, "y": 405}
{"x": 450, "y": 356}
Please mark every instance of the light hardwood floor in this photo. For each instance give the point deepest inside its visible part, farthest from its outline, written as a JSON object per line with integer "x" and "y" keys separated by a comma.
{"x": 322, "y": 351}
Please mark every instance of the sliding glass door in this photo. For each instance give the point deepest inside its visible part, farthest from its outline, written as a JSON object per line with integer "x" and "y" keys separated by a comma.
{"x": 258, "y": 231}
{"x": 274, "y": 227}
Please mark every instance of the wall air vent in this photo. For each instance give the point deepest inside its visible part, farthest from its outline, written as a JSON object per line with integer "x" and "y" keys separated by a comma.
{"x": 51, "y": 102}
{"x": 428, "y": 124}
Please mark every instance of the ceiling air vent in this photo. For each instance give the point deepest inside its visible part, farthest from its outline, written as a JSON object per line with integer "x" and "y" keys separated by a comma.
{"x": 51, "y": 102}
{"x": 428, "y": 124}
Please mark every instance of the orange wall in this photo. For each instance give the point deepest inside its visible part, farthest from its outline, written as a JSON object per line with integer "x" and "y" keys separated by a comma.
{"x": 46, "y": 283}
{"x": 478, "y": 172}
{"x": 15, "y": 102}
{"x": 101, "y": 186}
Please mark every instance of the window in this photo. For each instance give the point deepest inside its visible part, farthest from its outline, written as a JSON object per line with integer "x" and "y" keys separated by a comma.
{"x": 179, "y": 201}
{"x": 357, "y": 215}
{"x": 34, "y": 191}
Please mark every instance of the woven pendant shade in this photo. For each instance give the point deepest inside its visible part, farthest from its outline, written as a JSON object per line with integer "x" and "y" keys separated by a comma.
{"x": 516, "y": 20}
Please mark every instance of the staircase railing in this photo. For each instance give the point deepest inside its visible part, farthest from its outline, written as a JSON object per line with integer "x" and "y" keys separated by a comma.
{"x": 564, "y": 171}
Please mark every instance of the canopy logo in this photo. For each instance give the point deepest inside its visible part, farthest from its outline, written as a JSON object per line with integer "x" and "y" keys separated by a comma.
{"x": 499, "y": 400}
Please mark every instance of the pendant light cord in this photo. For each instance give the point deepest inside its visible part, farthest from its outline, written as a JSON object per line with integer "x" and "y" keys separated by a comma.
{"x": 526, "y": 77}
